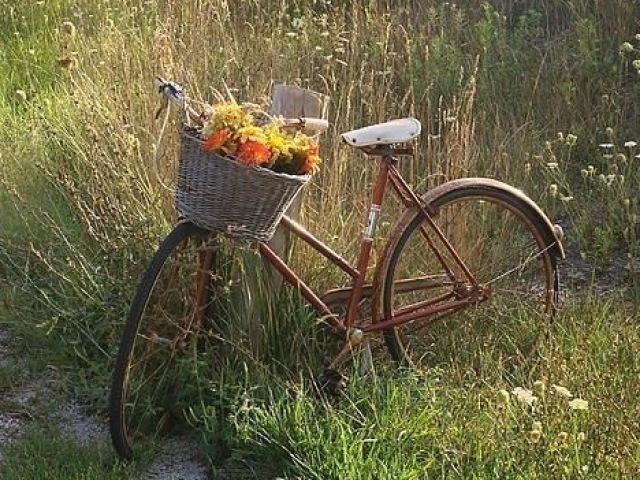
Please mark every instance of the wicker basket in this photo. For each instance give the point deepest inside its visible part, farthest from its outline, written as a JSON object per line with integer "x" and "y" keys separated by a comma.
{"x": 222, "y": 195}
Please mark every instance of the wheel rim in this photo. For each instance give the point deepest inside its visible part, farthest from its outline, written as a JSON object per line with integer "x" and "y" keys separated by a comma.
{"x": 500, "y": 242}
{"x": 160, "y": 373}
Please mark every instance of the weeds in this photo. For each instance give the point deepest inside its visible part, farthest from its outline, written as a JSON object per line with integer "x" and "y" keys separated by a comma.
{"x": 82, "y": 210}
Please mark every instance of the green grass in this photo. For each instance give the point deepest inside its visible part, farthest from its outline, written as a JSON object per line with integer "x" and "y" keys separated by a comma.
{"x": 82, "y": 213}
{"x": 45, "y": 453}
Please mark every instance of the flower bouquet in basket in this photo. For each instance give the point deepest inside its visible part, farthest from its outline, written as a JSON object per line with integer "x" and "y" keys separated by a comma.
{"x": 238, "y": 174}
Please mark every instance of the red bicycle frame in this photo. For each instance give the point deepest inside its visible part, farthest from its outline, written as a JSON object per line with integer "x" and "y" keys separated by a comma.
{"x": 388, "y": 173}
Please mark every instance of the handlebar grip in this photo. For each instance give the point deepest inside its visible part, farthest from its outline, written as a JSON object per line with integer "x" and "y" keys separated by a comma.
{"x": 317, "y": 124}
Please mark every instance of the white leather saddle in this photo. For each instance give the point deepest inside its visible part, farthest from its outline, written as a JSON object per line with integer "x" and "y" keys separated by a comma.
{"x": 388, "y": 133}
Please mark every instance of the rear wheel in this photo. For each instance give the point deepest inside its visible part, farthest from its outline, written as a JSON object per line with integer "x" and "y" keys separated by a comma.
{"x": 154, "y": 368}
{"x": 505, "y": 244}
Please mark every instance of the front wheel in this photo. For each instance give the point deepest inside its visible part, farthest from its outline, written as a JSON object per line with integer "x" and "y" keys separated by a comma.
{"x": 153, "y": 372}
{"x": 507, "y": 245}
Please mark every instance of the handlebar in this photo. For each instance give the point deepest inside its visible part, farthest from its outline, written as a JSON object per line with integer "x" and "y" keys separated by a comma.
{"x": 174, "y": 93}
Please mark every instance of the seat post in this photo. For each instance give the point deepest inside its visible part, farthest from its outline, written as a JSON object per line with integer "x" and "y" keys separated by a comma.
{"x": 367, "y": 238}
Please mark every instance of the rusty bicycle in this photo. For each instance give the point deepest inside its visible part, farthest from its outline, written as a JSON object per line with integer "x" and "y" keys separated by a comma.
{"x": 469, "y": 250}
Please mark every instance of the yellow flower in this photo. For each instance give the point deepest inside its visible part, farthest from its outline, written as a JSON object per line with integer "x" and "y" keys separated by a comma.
{"x": 535, "y": 436}
{"x": 270, "y": 146}
{"x": 251, "y": 132}
{"x": 503, "y": 397}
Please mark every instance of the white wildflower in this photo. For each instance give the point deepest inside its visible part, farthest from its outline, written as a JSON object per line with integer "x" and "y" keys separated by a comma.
{"x": 579, "y": 404}
{"x": 525, "y": 396}
{"x": 562, "y": 391}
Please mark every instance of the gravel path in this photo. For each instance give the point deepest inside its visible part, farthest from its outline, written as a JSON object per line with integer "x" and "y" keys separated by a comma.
{"x": 179, "y": 461}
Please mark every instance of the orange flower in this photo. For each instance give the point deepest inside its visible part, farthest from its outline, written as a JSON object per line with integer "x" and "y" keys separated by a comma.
{"x": 310, "y": 165}
{"x": 217, "y": 140}
{"x": 253, "y": 153}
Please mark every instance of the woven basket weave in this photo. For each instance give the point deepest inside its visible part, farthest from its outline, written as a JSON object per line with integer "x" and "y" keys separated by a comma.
{"x": 222, "y": 195}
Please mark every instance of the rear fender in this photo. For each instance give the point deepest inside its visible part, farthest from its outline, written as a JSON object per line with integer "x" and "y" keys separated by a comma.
{"x": 551, "y": 235}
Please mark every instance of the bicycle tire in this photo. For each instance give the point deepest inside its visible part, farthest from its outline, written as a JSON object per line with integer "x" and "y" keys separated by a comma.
{"x": 140, "y": 405}
{"x": 508, "y": 245}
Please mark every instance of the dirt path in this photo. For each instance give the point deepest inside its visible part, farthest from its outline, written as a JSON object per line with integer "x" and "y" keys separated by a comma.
{"x": 19, "y": 402}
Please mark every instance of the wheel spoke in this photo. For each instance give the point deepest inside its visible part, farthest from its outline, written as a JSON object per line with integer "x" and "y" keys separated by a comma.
{"x": 500, "y": 240}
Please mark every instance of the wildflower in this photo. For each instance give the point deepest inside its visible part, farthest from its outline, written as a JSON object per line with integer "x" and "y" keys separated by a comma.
{"x": 535, "y": 436}
{"x": 626, "y": 47}
{"x": 591, "y": 169}
{"x": 68, "y": 29}
{"x": 607, "y": 156}
{"x": 630, "y": 143}
{"x": 537, "y": 426}
{"x": 581, "y": 437}
{"x": 539, "y": 387}
{"x": 609, "y": 132}
{"x": 253, "y": 153}
{"x": 562, "y": 437}
{"x": 621, "y": 157}
{"x": 584, "y": 469}
{"x": 584, "y": 173}
{"x": 562, "y": 391}
{"x": 636, "y": 63}
{"x": 525, "y": 396}
{"x": 610, "y": 179}
{"x": 67, "y": 62}
{"x": 215, "y": 142}
{"x": 21, "y": 95}
{"x": 579, "y": 404}
{"x": 503, "y": 397}
{"x": 553, "y": 190}
{"x": 560, "y": 137}
{"x": 606, "y": 145}
{"x": 571, "y": 139}
{"x": 566, "y": 199}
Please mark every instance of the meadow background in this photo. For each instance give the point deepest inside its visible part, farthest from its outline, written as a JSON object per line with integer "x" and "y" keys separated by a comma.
{"x": 544, "y": 95}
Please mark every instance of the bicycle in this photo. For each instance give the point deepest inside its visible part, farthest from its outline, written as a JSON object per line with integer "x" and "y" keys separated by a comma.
{"x": 438, "y": 262}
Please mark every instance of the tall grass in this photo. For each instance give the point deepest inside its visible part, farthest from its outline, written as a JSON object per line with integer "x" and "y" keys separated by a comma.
{"x": 83, "y": 208}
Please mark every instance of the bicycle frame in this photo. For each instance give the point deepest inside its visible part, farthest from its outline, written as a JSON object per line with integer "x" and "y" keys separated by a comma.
{"x": 388, "y": 174}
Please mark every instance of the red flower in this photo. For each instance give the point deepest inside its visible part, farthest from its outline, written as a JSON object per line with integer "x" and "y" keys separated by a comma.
{"x": 253, "y": 153}
{"x": 310, "y": 165}
{"x": 216, "y": 141}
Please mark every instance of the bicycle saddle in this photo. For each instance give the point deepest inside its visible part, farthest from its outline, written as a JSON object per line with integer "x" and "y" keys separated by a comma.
{"x": 396, "y": 131}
